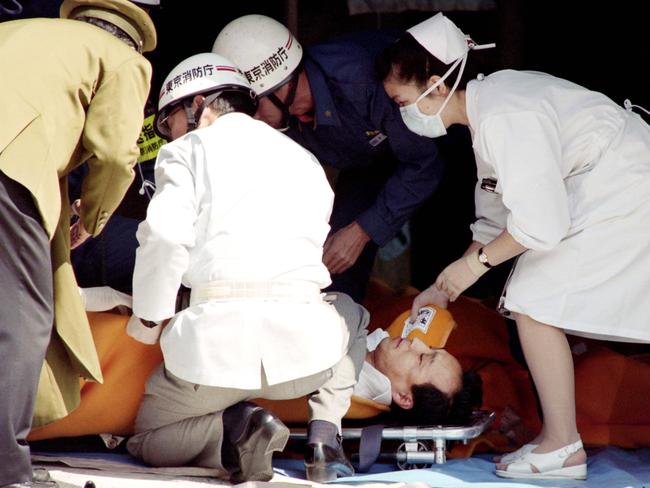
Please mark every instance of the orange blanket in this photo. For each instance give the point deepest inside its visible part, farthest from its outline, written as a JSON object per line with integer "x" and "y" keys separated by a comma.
{"x": 112, "y": 406}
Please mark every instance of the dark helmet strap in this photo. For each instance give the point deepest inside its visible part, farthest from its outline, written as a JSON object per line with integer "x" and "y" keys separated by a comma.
{"x": 207, "y": 100}
{"x": 286, "y": 105}
{"x": 191, "y": 119}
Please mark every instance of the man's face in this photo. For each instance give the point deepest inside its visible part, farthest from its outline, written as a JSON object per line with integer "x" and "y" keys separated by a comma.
{"x": 302, "y": 106}
{"x": 407, "y": 363}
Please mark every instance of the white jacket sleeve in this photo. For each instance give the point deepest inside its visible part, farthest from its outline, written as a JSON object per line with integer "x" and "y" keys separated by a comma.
{"x": 104, "y": 298}
{"x": 526, "y": 151}
{"x": 167, "y": 234}
{"x": 491, "y": 215}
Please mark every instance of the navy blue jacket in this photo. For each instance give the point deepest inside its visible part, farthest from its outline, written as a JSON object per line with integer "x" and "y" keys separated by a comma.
{"x": 357, "y": 124}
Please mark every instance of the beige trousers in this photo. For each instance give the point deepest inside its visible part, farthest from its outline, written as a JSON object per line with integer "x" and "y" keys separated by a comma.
{"x": 180, "y": 423}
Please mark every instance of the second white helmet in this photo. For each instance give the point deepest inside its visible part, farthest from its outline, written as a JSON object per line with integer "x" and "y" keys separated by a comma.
{"x": 263, "y": 48}
{"x": 201, "y": 73}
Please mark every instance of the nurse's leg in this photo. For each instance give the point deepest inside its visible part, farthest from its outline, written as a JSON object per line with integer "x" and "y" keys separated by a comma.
{"x": 550, "y": 362}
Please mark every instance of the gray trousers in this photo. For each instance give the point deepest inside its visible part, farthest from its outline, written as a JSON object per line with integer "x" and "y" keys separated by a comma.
{"x": 180, "y": 423}
{"x": 26, "y": 317}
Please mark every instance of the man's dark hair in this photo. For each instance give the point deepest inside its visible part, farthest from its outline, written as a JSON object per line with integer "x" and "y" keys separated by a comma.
{"x": 433, "y": 407}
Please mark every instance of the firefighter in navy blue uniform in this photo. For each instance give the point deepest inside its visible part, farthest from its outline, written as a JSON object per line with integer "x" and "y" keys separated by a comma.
{"x": 330, "y": 101}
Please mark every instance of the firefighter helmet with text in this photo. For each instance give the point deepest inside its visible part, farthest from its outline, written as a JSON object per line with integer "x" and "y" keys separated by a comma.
{"x": 263, "y": 48}
{"x": 202, "y": 74}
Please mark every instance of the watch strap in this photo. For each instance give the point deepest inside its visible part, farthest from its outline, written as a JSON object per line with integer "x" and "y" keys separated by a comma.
{"x": 477, "y": 268}
{"x": 483, "y": 259}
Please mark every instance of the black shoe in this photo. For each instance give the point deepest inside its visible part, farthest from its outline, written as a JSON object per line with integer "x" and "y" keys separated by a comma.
{"x": 250, "y": 455}
{"x": 325, "y": 463}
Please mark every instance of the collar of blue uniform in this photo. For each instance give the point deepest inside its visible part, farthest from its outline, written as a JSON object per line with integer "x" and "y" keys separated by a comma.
{"x": 324, "y": 108}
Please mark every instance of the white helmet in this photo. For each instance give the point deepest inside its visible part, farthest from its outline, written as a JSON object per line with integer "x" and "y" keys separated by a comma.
{"x": 263, "y": 48}
{"x": 201, "y": 73}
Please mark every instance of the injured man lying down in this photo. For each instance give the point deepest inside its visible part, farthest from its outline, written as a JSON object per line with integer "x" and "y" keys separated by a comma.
{"x": 423, "y": 385}
{"x": 420, "y": 385}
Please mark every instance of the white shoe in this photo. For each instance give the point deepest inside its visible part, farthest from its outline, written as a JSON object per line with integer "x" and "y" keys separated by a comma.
{"x": 514, "y": 455}
{"x": 549, "y": 465}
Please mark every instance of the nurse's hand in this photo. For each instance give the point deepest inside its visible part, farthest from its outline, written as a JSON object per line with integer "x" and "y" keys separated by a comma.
{"x": 342, "y": 249}
{"x": 431, "y": 296}
{"x": 456, "y": 278}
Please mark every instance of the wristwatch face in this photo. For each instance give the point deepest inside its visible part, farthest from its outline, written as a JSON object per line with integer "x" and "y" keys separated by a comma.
{"x": 483, "y": 259}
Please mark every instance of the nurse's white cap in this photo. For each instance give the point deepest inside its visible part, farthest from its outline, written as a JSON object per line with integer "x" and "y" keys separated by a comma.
{"x": 441, "y": 37}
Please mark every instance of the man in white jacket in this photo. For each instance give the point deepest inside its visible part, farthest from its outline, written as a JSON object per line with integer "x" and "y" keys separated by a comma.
{"x": 240, "y": 215}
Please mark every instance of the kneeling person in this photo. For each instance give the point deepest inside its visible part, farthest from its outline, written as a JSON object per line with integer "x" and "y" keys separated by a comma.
{"x": 240, "y": 215}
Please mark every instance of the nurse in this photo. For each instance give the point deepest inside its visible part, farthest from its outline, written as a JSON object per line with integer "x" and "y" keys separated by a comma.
{"x": 563, "y": 177}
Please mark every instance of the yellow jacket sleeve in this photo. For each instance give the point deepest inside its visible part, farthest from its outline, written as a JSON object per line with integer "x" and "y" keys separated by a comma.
{"x": 113, "y": 122}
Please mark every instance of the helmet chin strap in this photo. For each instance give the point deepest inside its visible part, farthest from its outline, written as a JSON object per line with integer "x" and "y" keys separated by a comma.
{"x": 207, "y": 100}
{"x": 192, "y": 119}
{"x": 284, "y": 106}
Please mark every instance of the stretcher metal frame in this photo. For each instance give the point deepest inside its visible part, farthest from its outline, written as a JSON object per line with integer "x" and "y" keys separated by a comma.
{"x": 424, "y": 446}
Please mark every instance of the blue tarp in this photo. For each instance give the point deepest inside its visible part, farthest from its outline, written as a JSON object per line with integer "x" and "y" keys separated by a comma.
{"x": 607, "y": 468}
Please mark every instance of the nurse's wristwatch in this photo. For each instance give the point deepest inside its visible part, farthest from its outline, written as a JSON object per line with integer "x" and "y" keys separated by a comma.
{"x": 478, "y": 263}
{"x": 483, "y": 259}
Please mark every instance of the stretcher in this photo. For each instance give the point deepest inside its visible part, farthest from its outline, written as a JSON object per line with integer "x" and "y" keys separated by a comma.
{"x": 414, "y": 447}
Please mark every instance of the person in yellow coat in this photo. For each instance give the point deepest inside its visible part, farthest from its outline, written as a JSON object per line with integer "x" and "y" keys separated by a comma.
{"x": 73, "y": 90}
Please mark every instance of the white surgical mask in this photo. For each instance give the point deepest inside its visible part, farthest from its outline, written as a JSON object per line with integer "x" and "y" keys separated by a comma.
{"x": 431, "y": 125}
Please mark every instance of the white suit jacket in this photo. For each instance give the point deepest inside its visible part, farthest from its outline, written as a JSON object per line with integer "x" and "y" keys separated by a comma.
{"x": 239, "y": 201}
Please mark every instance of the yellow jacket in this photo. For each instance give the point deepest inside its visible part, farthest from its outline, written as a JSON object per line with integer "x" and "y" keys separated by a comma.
{"x": 71, "y": 92}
